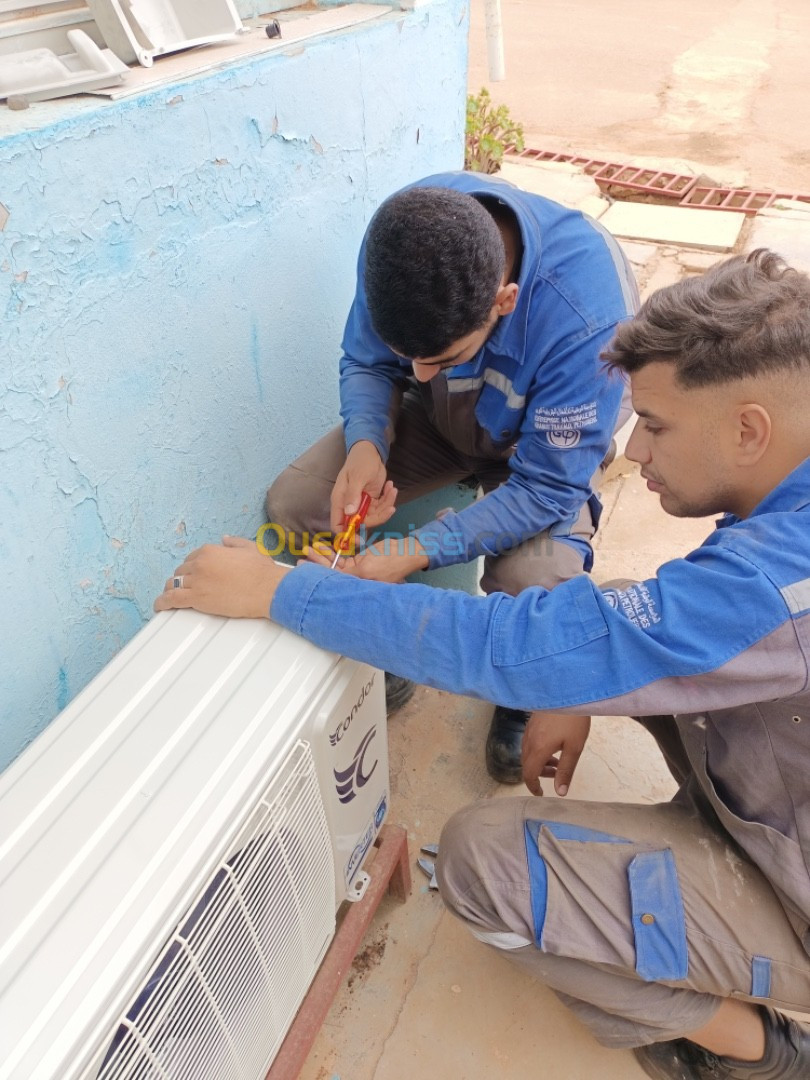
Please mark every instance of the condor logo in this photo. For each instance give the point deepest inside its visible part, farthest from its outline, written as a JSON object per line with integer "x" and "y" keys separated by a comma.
{"x": 343, "y": 727}
{"x": 349, "y": 781}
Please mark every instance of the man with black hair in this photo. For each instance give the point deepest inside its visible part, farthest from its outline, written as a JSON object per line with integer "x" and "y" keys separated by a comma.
{"x": 471, "y": 352}
{"x": 678, "y": 929}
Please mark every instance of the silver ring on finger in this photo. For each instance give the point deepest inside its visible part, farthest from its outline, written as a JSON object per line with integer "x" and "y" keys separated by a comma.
{"x": 178, "y": 581}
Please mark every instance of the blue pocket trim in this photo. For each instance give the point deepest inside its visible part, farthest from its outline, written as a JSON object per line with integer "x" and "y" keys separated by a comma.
{"x": 538, "y": 875}
{"x": 538, "y": 880}
{"x": 661, "y": 949}
{"x": 760, "y": 977}
{"x": 563, "y": 831}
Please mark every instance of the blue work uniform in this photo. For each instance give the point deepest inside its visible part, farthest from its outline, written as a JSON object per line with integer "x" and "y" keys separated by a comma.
{"x": 535, "y": 393}
{"x": 721, "y": 640}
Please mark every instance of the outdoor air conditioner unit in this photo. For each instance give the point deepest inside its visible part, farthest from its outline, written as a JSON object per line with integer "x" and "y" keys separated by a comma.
{"x": 173, "y": 850}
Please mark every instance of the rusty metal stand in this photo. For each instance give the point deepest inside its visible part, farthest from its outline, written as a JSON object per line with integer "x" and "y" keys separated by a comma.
{"x": 389, "y": 872}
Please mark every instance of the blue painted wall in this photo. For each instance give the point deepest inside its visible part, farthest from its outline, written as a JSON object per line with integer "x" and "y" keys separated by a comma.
{"x": 175, "y": 271}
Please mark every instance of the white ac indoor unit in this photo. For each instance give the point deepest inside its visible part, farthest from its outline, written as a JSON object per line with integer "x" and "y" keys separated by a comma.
{"x": 173, "y": 850}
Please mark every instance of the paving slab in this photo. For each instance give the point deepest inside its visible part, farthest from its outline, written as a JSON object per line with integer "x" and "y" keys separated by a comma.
{"x": 716, "y": 230}
{"x": 561, "y": 168}
{"x": 665, "y": 271}
{"x": 563, "y": 183}
{"x": 794, "y": 209}
{"x": 593, "y": 205}
{"x": 698, "y": 262}
{"x": 785, "y": 232}
{"x": 639, "y": 254}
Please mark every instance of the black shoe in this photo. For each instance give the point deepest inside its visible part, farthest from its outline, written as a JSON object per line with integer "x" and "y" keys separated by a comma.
{"x": 787, "y": 1056}
{"x": 398, "y": 691}
{"x": 503, "y": 744}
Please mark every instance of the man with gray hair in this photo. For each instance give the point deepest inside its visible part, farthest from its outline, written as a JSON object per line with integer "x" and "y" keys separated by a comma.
{"x": 679, "y": 929}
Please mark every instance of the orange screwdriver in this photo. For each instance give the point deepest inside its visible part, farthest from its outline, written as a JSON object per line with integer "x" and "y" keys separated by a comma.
{"x": 344, "y": 540}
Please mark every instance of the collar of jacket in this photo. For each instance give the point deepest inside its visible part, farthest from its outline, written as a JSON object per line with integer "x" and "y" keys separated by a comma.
{"x": 792, "y": 495}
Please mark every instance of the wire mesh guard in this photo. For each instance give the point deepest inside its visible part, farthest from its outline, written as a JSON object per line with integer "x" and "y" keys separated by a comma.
{"x": 219, "y": 999}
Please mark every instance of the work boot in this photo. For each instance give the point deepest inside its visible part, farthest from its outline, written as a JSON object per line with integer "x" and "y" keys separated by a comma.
{"x": 398, "y": 691}
{"x": 787, "y": 1056}
{"x": 504, "y": 742}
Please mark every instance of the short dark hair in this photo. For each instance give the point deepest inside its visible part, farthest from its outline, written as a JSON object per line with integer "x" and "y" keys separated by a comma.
{"x": 746, "y": 316}
{"x": 433, "y": 266}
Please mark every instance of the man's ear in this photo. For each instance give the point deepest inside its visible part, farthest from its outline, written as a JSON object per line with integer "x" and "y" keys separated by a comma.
{"x": 506, "y": 299}
{"x": 753, "y": 433}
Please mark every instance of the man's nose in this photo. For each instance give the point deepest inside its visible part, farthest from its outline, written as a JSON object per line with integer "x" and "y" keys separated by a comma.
{"x": 424, "y": 372}
{"x": 637, "y": 448}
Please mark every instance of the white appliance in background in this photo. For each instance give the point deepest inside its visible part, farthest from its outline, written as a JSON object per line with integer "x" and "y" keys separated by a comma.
{"x": 174, "y": 847}
{"x": 41, "y": 74}
{"x": 143, "y": 29}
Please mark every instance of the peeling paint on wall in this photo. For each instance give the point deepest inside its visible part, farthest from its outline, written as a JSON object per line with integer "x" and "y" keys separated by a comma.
{"x": 174, "y": 278}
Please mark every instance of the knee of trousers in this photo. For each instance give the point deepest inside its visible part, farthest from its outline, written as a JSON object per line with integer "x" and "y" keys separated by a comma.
{"x": 540, "y": 561}
{"x": 479, "y": 845}
{"x": 543, "y": 872}
{"x": 456, "y": 845}
{"x": 298, "y": 502}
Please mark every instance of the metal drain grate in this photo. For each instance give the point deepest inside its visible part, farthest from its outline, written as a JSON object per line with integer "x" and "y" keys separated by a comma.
{"x": 681, "y": 188}
{"x": 743, "y": 200}
{"x": 670, "y": 185}
{"x": 588, "y": 165}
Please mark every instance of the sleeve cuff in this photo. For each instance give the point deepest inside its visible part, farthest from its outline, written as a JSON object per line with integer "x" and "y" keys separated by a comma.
{"x": 443, "y": 545}
{"x": 293, "y": 594}
{"x": 354, "y": 433}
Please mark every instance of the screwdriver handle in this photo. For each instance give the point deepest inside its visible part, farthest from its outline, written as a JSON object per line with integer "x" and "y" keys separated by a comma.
{"x": 344, "y": 539}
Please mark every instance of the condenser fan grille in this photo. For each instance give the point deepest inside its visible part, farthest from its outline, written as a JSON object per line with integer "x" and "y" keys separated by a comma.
{"x": 220, "y": 997}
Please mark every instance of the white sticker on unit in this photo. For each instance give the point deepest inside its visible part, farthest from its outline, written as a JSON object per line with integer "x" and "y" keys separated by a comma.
{"x": 565, "y": 417}
{"x": 356, "y": 857}
{"x": 365, "y": 841}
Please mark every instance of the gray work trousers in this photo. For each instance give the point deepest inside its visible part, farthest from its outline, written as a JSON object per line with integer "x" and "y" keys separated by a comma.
{"x": 422, "y": 460}
{"x": 641, "y": 918}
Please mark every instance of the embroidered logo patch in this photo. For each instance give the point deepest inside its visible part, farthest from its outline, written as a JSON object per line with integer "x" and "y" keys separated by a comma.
{"x": 563, "y": 438}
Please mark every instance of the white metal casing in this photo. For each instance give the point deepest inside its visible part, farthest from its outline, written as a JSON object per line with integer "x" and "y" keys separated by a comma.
{"x": 117, "y": 818}
{"x": 143, "y": 29}
{"x": 41, "y": 74}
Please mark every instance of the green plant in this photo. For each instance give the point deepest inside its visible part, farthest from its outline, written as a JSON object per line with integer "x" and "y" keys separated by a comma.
{"x": 489, "y": 131}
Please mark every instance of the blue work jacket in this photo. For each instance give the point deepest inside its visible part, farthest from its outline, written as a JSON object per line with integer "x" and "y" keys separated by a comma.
{"x": 541, "y": 386}
{"x": 720, "y": 639}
